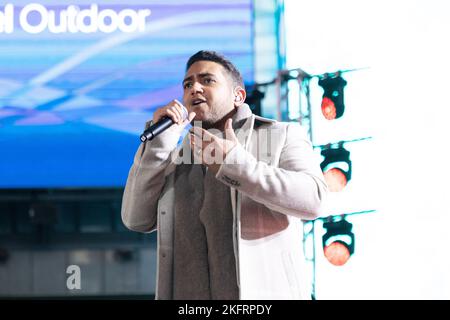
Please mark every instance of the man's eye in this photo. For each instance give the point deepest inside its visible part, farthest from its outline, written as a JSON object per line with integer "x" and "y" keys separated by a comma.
{"x": 187, "y": 85}
{"x": 208, "y": 80}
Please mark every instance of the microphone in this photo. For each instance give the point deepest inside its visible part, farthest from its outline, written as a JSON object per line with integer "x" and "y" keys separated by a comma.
{"x": 160, "y": 126}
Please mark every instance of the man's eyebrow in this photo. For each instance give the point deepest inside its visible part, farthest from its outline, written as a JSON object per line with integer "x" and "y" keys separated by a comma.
{"x": 188, "y": 79}
{"x": 201, "y": 75}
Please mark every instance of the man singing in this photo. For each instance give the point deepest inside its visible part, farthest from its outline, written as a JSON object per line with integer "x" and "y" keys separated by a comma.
{"x": 228, "y": 202}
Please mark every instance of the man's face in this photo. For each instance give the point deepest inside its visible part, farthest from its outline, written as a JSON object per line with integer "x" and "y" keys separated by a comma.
{"x": 208, "y": 91}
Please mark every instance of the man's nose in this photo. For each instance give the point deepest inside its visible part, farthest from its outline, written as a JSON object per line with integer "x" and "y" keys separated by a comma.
{"x": 196, "y": 87}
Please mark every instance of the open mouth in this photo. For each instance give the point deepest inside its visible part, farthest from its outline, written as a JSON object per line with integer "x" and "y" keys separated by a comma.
{"x": 197, "y": 102}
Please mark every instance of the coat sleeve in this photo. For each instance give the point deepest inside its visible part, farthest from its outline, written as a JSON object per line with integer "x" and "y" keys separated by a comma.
{"x": 146, "y": 179}
{"x": 296, "y": 187}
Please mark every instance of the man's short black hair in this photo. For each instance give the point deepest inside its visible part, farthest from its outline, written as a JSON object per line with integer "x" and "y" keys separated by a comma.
{"x": 204, "y": 55}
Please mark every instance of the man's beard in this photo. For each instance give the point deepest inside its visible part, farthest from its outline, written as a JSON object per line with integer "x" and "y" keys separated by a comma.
{"x": 208, "y": 124}
{"x": 217, "y": 121}
{"x": 211, "y": 121}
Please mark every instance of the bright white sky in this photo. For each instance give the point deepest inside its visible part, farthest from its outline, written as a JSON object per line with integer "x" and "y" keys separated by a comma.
{"x": 402, "y": 102}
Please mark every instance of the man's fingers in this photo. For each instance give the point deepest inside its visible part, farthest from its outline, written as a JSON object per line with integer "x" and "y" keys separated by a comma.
{"x": 175, "y": 111}
{"x": 172, "y": 115}
{"x": 178, "y": 103}
{"x": 181, "y": 109}
{"x": 196, "y": 149}
{"x": 229, "y": 131}
{"x": 191, "y": 116}
{"x": 230, "y": 124}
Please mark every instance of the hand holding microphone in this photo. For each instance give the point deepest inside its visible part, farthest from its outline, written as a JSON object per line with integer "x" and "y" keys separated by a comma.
{"x": 165, "y": 117}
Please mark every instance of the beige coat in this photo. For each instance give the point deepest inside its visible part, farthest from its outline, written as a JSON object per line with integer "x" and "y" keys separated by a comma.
{"x": 275, "y": 181}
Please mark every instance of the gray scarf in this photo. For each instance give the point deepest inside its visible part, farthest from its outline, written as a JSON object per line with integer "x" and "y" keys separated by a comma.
{"x": 204, "y": 262}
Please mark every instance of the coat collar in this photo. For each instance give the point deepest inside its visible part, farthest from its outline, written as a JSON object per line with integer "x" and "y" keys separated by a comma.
{"x": 244, "y": 114}
{"x": 245, "y": 120}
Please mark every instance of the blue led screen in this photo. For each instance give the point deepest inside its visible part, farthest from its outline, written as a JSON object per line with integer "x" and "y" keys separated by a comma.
{"x": 75, "y": 93}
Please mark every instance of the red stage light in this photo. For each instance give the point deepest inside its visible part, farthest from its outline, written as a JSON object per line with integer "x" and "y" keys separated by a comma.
{"x": 338, "y": 241}
{"x": 337, "y": 253}
{"x": 336, "y": 167}
{"x": 336, "y": 179}
{"x": 333, "y": 95}
{"x": 328, "y": 109}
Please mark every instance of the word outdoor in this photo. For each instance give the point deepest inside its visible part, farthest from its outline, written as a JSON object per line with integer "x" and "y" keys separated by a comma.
{"x": 36, "y": 18}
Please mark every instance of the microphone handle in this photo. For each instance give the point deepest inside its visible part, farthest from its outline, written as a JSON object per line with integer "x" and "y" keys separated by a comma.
{"x": 157, "y": 128}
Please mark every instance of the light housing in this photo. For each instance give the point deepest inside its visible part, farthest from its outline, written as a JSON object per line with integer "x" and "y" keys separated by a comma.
{"x": 338, "y": 241}
{"x": 336, "y": 167}
{"x": 333, "y": 96}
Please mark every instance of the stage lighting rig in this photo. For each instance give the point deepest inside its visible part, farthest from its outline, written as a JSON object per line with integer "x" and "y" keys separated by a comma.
{"x": 338, "y": 241}
{"x": 336, "y": 167}
{"x": 333, "y": 95}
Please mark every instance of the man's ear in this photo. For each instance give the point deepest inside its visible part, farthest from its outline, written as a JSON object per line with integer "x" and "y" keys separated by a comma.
{"x": 239, "y": 96}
